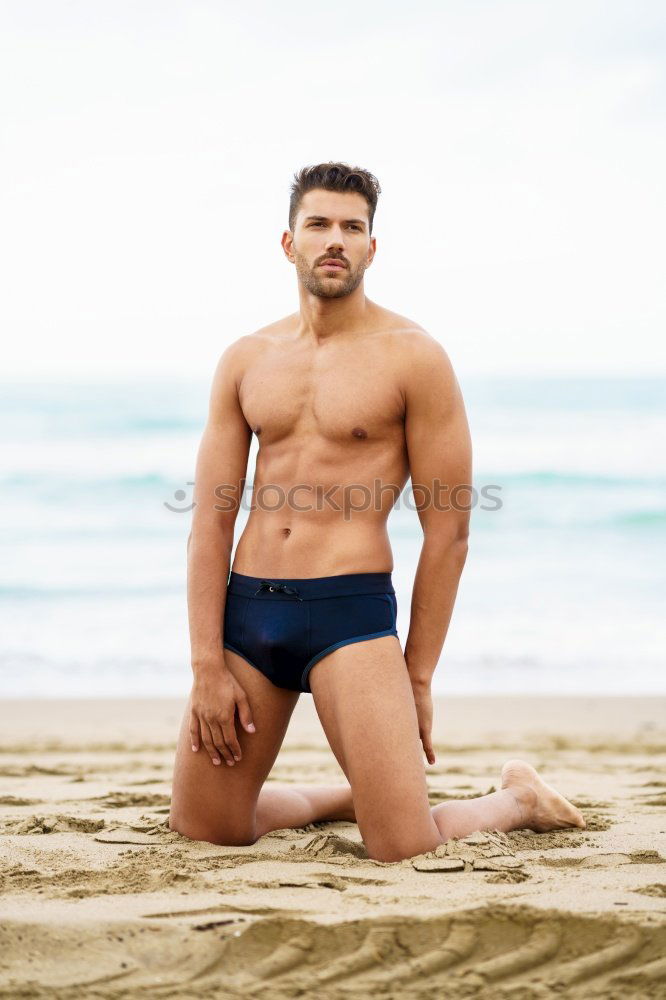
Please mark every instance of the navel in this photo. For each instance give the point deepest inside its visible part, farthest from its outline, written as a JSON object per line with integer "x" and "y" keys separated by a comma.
{"x": 286, "y": 532}
{"x": 359, "y": 432}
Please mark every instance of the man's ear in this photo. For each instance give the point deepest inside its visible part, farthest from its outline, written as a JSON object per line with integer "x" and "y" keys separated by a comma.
{"x": 287, "y": 242}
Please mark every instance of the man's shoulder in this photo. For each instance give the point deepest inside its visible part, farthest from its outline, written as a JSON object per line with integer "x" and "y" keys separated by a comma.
{"x": 421, "y": 362}
{"x": 410, "y": 337}
{"x": 272, "y": 331}
{"x": 248, "y": 345}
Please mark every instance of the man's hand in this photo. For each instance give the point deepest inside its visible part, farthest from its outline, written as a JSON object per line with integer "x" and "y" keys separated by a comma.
{"x": 215, "y": 695}
{"x": 423, "y": 702}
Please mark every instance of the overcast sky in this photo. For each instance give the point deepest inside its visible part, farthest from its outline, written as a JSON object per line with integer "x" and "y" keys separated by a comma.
{"x": 147, "y": 149}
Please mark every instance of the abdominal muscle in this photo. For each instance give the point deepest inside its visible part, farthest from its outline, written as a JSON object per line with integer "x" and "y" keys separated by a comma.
{"x": 312, "y": 545}
{"x": 318, "y": 510}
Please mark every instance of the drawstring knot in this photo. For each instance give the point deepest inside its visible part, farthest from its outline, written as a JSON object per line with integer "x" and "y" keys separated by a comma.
{"x": 271, "y": 585}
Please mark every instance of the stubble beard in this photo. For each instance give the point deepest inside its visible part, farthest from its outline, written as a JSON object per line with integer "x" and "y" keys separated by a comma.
{"x": 328, "y": 288}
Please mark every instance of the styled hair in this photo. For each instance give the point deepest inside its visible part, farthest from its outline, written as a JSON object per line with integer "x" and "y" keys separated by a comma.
{"x": 334, "y": 177}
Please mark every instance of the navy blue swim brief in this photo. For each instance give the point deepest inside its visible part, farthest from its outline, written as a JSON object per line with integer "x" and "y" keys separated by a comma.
{"x": 283, "y": 627}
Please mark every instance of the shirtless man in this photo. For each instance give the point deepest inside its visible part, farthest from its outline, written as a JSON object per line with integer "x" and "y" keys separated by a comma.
{"x": 347, "y": 400}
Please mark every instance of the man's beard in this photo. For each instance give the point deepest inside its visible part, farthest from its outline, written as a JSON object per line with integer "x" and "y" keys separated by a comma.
{"x": 325, "y": 288}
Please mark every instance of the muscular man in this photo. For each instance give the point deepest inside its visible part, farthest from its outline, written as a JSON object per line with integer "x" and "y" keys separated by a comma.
{"x": 347, "y": 400}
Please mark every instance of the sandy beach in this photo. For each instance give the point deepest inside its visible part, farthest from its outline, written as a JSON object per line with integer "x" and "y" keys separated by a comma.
{"x": 100, "y": 899}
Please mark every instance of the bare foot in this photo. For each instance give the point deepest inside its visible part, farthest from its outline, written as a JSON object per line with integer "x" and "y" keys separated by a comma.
{"x": 542, "y": 806}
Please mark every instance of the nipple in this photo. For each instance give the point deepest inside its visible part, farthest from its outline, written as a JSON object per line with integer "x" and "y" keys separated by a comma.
{"x": 359, "y": 432}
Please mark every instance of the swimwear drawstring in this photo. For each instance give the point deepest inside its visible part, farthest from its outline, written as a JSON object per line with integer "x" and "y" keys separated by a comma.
{"x": 270, "y": 585}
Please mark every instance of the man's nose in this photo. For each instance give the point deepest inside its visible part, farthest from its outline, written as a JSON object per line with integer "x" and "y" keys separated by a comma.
{"x": 335, "y": 239}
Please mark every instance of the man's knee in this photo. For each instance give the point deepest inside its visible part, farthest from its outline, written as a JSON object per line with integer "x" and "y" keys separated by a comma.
{"x": 222, "y": 834}
{"x": 385, "y": 846}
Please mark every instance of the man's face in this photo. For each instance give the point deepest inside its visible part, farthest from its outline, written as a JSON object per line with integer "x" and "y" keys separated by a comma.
{"x": 332, "y": 226}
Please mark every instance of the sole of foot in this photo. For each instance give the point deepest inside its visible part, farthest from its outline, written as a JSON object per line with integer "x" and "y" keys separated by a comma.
{"x": 544, "y": 807}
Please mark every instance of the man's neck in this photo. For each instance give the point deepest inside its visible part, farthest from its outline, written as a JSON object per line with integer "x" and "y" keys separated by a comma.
{"x": 322, "y": 318}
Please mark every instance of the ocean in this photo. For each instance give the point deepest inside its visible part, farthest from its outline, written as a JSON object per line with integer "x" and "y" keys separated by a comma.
{"x": 562, "y": 592}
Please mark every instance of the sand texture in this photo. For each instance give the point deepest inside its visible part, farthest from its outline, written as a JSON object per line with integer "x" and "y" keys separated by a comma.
{"x": 100, "y": 899}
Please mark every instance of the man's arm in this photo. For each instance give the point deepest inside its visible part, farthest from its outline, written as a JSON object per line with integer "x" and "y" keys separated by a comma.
{"x": 440, "y": 455}
{"x": 221, "y": 465}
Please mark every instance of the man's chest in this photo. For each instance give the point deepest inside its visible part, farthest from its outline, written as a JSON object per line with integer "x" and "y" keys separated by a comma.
{"x": 343, "y": 397}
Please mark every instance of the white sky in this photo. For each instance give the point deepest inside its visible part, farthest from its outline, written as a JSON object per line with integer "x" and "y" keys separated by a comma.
{"x": 147, "y": 149}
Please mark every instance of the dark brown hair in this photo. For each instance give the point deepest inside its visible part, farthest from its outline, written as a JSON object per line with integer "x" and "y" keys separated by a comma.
{"x": 334, "y": 177}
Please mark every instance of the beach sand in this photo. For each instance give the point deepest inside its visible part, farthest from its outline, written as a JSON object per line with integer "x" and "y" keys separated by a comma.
{"x": 100, "y": 899}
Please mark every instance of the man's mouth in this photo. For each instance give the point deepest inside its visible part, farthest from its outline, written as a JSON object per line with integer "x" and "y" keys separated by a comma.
{"x": 333, "y": 265}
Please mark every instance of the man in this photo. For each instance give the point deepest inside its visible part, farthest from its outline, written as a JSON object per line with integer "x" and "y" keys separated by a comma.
{"x": 347, "y": 400}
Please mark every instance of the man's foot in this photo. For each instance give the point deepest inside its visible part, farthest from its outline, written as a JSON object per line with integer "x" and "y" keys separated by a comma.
{"x": 543, "y": 808}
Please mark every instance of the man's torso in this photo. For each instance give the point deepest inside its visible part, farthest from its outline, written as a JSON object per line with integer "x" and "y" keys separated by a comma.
{"x": 332, "y": 459}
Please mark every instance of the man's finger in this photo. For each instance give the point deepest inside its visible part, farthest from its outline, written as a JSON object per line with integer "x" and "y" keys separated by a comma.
{"x": 209, "y": 743}
{"x": 426, "y": 740}
{"x": 245, "y": 713}
{"x": 429, "y": 752}
{"x": 229, "y": 731}
{"x": 218, "y": 740}
{"x": 195, "y": 738}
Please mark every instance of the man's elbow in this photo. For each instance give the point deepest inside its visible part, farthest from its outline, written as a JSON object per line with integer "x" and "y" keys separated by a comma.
{"x": 451, "y": 543}
{"x": 211, "y": 533}
{"x": 455, "y": 553}
{"x": 460, "y": 547}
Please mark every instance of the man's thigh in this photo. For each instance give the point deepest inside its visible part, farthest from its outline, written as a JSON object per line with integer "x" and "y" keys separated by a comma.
{"x": 218, "y": 802}
{"x": 366, "y": 706}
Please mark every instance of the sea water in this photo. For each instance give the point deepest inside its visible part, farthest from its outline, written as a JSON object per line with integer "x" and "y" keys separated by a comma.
{"x": 562, "y": 591}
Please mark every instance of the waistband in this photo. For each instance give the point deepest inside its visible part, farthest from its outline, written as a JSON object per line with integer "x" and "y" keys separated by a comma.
{"x": 310, "y": 588}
